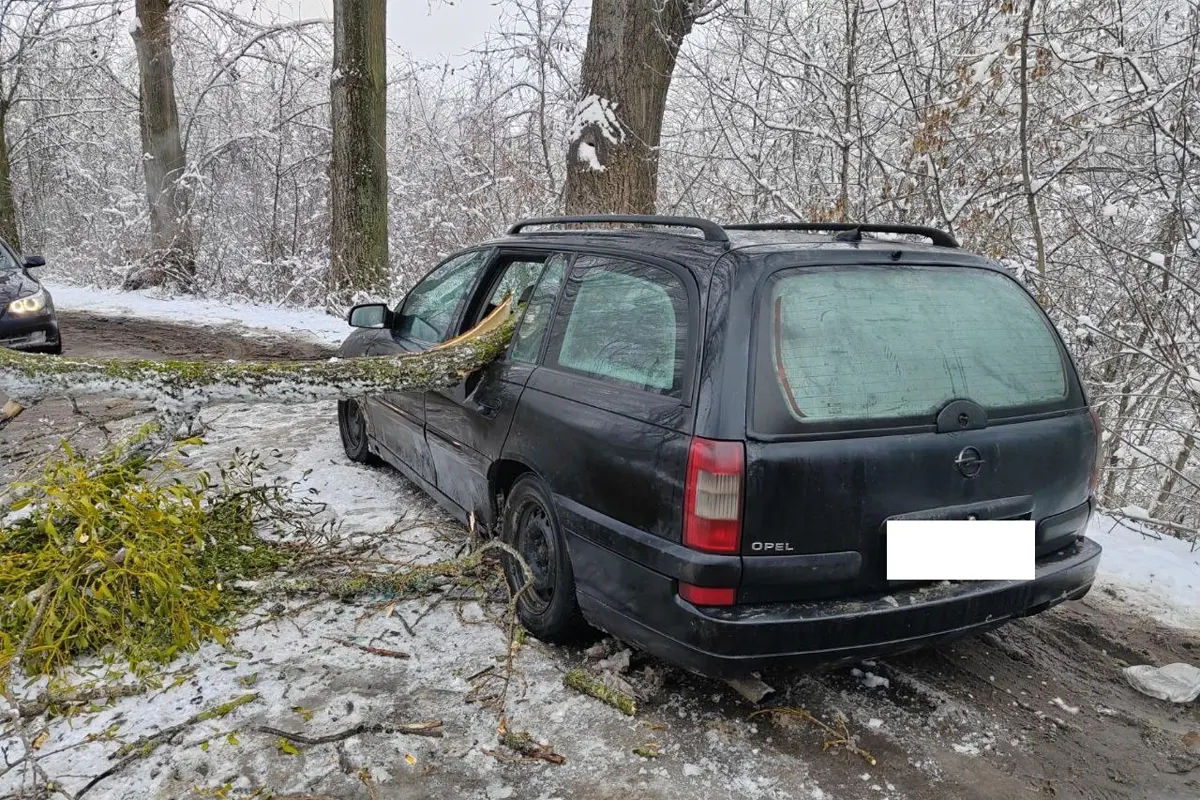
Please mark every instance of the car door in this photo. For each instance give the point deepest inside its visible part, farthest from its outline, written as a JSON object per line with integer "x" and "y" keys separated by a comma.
{"x": 606, "y": 419}
{"x": 466, "y": 424}
{"x": 426, "y": 317}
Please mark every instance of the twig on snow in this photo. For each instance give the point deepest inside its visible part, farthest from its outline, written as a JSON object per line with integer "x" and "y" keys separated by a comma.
{"x": 12, "y": 679}
{"x": 377, "y": 651}
{"x": 432, "y": 728}
{"x": 145, "y": 745}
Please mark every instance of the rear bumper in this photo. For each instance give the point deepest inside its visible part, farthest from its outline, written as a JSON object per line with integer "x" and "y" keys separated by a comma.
{"x": 643, "y": 607}
{"x": 38, "y": 332}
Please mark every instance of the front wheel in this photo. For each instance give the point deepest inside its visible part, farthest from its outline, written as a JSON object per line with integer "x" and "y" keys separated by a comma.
{"x": 353, "y": 427}
{"x": 547, "y": 607}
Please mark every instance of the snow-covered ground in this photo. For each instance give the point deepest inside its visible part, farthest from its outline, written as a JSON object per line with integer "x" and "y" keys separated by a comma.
{"x": 1157, "y": 577}
{"x": 312, "y": 324}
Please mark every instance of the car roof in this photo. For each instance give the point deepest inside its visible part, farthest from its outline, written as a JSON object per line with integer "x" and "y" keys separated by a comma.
{"x": 672, "y": 246}
{"x": 699, "y": 243}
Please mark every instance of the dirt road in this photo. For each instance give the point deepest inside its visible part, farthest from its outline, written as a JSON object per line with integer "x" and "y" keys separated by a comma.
{"x": 41, "y": 429}
{"x": 1038, "y": 708}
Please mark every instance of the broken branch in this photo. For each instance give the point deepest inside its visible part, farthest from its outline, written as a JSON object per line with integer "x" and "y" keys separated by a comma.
{"x": 185, "y": 386}
{"x": 433, "y": 729}
{"x": 377, "y": 651}
{"x": 145, "y": 745}
{"x": 580, "y": 681}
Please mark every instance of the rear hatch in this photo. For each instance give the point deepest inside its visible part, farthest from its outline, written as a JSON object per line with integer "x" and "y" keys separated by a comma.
{"x": 901, "y": 391}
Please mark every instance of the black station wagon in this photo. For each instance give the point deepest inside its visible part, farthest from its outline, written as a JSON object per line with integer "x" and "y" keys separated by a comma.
{"x": 699, "y": 433}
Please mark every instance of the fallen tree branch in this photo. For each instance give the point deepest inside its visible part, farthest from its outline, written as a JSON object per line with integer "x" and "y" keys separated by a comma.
{"x": 432, "y": 728}
{"x": 145, "y": 745}
{"x": 47, "y": 699}
{"x": 180, "y": 388}
{"x": 13, "y": 679}
{"x": 580, "y": 681}
{"x": 524, "y": 745}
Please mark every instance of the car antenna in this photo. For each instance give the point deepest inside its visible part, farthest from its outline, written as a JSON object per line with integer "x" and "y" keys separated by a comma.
{"x": 852, "y": 235}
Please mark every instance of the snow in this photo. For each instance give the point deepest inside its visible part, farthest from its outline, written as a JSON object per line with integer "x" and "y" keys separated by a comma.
{"x": 870, "y": 679}
{"x": 311, "y": 324}
{"x": 1058, "y": 701}
{"x": 1160, "y": 578}
{"x": 595, "y": 112}
{"x": 1158, "y": 259}
{"x": 587, "y": 156}
{"x": 1134, "y": 512}
{"x": 1109, "y": 211}
{"x": 979, "y": 73}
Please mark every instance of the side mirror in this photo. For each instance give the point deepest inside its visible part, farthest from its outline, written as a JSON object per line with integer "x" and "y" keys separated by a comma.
{"x": 34, "y": 261}
{"x": 370, "y": 315}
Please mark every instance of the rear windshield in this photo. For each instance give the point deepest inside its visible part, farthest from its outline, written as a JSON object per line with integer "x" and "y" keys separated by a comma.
{"x": 898, "y": 343}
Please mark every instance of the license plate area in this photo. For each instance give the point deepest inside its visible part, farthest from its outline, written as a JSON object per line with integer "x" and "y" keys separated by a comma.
{"x": 960, "y": 549}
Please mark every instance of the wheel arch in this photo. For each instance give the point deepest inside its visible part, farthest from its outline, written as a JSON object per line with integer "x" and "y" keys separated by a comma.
{"x": 502, "y": 476}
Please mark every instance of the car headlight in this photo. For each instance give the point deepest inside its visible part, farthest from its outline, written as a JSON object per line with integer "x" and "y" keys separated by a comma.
{"x": 28, "y": 305}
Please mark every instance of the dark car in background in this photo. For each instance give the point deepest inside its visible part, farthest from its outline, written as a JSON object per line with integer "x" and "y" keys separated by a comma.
{"x": 27, "y": 319}
{"x": 697, "y": 443}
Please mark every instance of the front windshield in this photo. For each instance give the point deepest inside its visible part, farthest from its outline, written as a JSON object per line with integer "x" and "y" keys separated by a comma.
{"x": 7, "y": 262}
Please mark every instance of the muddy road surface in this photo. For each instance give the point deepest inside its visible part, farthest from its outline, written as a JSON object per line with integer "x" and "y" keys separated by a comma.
{"x": 1038, "y": 708}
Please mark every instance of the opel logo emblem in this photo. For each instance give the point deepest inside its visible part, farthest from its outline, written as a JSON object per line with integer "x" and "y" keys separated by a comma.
{"x": 969, "y": 462}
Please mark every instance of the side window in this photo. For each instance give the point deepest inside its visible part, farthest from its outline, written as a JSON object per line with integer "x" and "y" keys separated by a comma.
{"x": 518, "y": 276}
{"x": 625, "y": 323}
{"x": 7, "y": 262}
{"x": 528, "y": 339}
{"x": 428, "y": 311}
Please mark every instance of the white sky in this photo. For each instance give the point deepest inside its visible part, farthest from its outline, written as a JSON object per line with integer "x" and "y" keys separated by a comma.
{"x": 428, "y": 29}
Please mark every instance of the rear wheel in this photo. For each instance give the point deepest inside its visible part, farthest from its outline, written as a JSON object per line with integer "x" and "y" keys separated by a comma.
{"x": 353, "y": 427}
{"x": 547, "y": 607}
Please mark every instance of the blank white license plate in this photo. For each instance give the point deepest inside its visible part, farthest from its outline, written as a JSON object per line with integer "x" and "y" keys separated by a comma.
{"x": 960, "y": 550}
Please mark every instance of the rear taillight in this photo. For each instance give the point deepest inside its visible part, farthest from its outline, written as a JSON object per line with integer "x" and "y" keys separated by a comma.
{"x": 712, "y": 509}
{"x": 707, "y": 595}
{"x": 1094, "y": 479}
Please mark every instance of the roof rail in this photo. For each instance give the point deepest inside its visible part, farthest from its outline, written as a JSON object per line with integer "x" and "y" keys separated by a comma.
{"x": 712, "y": 231}
{"x": 938, "y": 237}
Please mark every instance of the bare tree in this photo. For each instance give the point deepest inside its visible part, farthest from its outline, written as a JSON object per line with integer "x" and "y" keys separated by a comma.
{"x": 27, "y": 26}
{"x": 358, "y": 169}
{"x": 171, "y": 260}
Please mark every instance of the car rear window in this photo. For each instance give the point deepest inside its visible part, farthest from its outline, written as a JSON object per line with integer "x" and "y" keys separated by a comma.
{"x": 898, "y": 343}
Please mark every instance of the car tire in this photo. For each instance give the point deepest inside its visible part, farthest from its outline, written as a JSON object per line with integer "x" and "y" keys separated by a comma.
{"x": 353, "y": 428}
{"x": 548, "y": 608}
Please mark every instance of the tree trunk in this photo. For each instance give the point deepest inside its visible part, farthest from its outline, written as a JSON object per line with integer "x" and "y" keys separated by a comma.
{"x": 612, "y": 152}
{"x": 358, "y": 170}
{"x": 1031, "y": 191}
{"x": 8, "y": 202}
{"x": 163, "y": 162}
